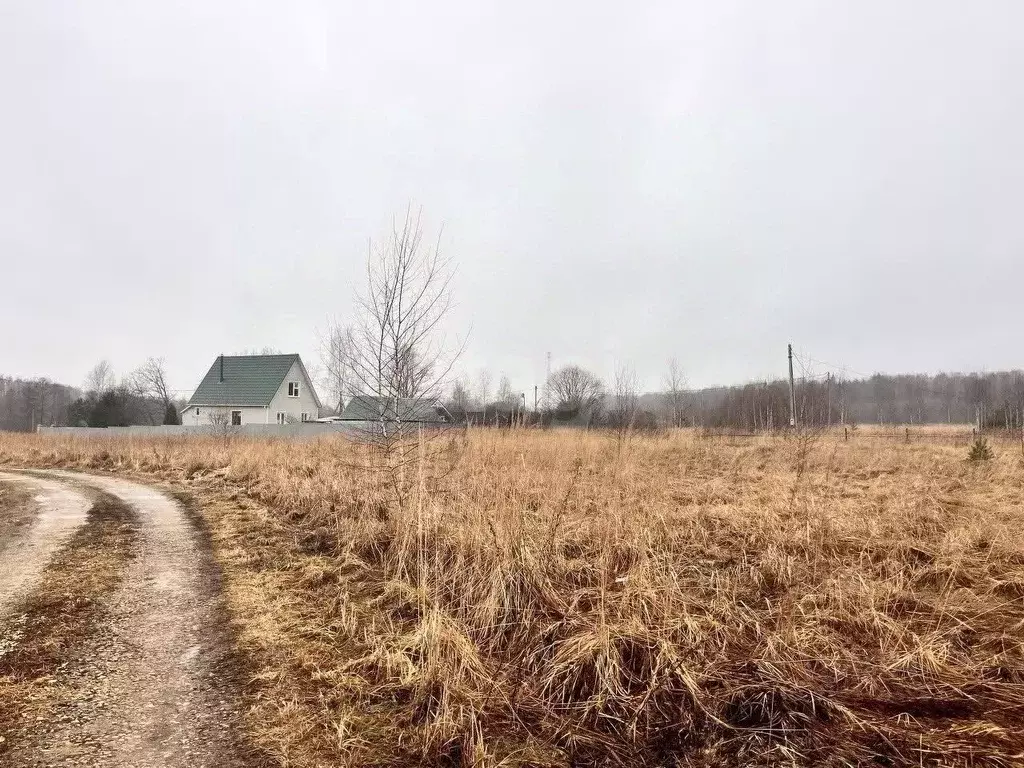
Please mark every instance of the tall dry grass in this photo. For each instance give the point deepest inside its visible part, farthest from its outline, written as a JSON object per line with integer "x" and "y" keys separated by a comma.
{"x": 560, "y": 600}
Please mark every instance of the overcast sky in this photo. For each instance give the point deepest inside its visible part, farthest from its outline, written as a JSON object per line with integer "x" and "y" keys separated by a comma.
{"x": 616, "y": 182}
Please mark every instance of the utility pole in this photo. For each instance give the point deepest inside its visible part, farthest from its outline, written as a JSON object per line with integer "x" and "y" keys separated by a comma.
{"x": 534, "y": 397}
{"x": 792, "y": 391}
{"x": 547, "y": 382}
{"x": 828, "y": 387}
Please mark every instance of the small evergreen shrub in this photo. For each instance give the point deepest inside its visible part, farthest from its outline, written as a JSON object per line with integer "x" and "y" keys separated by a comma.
{"x": 980, "y": 450}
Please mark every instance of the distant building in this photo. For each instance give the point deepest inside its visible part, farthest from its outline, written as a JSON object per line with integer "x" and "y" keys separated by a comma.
{"x": 369, "y": 412}
{"x": 253, "y": 389}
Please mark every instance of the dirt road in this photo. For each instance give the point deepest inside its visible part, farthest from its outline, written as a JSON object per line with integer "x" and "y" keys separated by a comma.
{"x": 153, "y": 686}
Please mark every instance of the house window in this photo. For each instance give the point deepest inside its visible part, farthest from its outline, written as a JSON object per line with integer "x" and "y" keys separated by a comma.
{"x": 197, "y": 411}
{"x": 293, "y": 389}
{"x": 281, "y": 416}
{"x": 236, "y": 418}
{"x": 305, "y": 417}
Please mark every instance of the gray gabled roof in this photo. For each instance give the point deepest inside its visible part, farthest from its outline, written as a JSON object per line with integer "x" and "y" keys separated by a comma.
{"x": 248, "y": 380}
{"x": 410, "y": 409}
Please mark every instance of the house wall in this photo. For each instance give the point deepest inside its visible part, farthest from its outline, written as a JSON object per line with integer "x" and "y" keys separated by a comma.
{"x": 294, "y": 406}
{"x": 250, "y": 415}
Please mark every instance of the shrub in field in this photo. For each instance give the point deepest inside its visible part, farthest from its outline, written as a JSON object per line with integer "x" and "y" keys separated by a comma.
{"x": 980, "y": 451}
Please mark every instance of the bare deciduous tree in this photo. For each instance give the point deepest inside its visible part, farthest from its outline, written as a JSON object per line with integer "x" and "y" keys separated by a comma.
{"x": 150, "y": 380}
{"x": 399, "y": 355}
{"x": 483, "y": 387}
{"x": 221, "y": 424}
{"x": 505, "y": 395}
{"x": 626, "y": 398}
{"x": 219, "y": 418}
{"x": 100, "y": 379}
{"x": 336, "y": 362}
{"x": 675, "y": 390}
{"x": 146, "y": 384}
{"x": 460, "y": 400}
{"x": 575, "y": 389}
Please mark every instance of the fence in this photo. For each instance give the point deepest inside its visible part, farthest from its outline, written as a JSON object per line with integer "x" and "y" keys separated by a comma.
{"x": 308, "y": 429}
{"x": 924, "y": 433}
{"x": 298, "y": 430}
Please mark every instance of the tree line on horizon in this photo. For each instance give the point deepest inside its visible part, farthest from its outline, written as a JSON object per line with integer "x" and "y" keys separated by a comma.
{"x": 985, "y": 400}
{"x": 141, "y": 397}
{"x": 576, "y": 396}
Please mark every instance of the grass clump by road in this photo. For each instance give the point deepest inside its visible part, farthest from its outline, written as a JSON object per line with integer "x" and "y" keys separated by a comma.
{"x": 561, "y": 600}
{"x": 42, "y": 633}
{"x": 15, "y": 510}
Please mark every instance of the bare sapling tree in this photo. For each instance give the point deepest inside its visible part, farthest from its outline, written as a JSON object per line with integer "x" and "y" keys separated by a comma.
{"x": 221, "y": 424}
{"x": 626, "y": 402}
{"x": 336, "y": 363}
{"x": 808, "y": 432}
{"x": 399, "y": 356}
{"x": 675, "y": 391}
{"x": 505, "y": 394}
{"x": 508, "y": 401}
{"x": 460, "y": 400}
{"x": 483, "y": 388}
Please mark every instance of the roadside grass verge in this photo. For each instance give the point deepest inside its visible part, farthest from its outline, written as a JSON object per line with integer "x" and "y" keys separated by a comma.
{"x": 40, "y": 635}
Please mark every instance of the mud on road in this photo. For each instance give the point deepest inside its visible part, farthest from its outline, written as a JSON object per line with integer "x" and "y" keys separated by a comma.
{"x": 153, "y": 683}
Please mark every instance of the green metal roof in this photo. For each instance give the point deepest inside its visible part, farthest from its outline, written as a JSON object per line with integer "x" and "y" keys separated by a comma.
{"x": 247, "y": 380}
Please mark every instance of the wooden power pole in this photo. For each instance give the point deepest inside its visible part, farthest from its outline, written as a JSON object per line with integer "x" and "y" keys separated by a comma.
{"x": 792, "y": 391}
{"x": 828, "y": 386}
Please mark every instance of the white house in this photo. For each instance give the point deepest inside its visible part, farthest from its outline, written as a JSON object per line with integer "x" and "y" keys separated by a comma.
{"x": 253, "y": 389}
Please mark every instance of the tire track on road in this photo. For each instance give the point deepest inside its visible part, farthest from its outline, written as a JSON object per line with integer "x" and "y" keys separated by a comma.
{"x": 61, "y": 511}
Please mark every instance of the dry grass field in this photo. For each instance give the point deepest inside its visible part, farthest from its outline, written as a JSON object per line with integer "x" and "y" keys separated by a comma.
{"x": 565, "y": 599}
